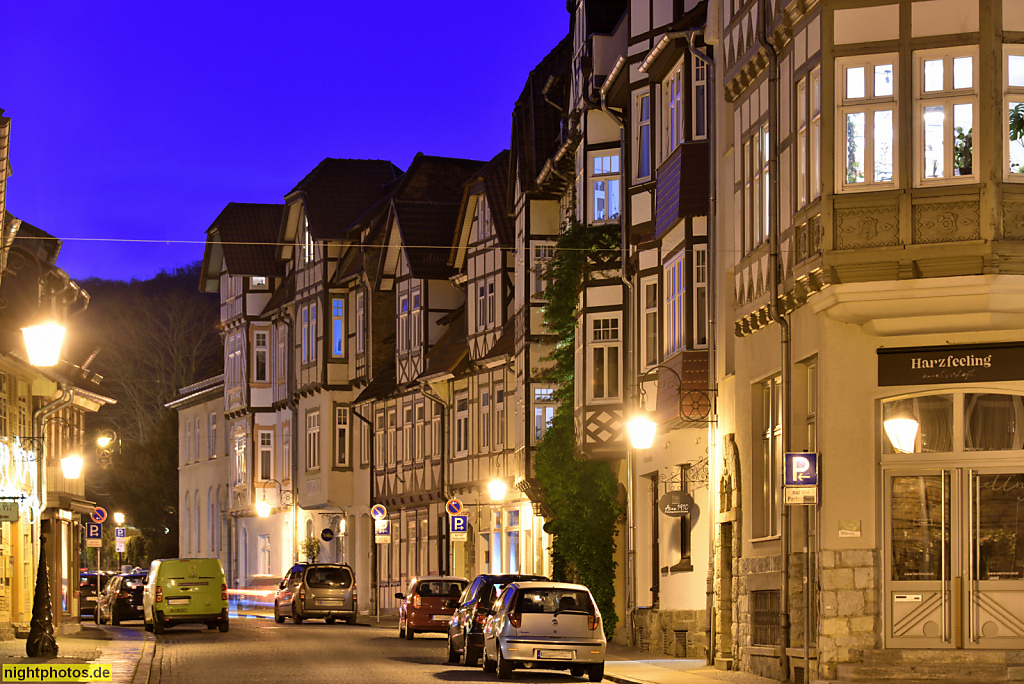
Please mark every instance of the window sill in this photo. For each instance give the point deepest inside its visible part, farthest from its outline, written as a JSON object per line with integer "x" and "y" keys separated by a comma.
{"x": 774, "y": 537}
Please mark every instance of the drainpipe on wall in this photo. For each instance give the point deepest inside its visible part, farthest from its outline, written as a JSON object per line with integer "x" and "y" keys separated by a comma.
{"x": 773, "y": 311}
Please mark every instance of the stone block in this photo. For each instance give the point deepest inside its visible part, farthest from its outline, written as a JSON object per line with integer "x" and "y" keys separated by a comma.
{"x": 827, "y": 559}
{"x": 851, "y": 603}
{"x": 857, "y": 558}
{"x": 864, "y": 578}
{"x": 839, "y": 578}
{"x": 863, "y": 624}
{"x": 835, "y": 627}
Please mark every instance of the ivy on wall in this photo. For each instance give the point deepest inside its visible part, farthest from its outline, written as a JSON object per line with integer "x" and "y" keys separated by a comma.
{"x": 580, "y": 493}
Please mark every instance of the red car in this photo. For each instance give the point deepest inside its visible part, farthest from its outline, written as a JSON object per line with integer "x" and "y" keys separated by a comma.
{"x": 429, "y": 605}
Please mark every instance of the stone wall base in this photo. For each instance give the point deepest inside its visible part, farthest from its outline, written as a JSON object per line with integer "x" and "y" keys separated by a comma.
{"x": 674, "y": 633}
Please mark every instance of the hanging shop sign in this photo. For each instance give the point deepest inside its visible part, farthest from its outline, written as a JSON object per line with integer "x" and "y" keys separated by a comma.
{"x": 9, "y": 511}
{"x": 677, "y": 504}
{"x": 950, "y": 364}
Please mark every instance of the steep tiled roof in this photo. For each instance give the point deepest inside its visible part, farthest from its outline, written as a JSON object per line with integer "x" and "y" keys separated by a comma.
{"x": 505, "y": 345}
{"x": 282, "y": 296}
{"x": 495, "y": 177}
{"x": 536, "y": 123}
{"x": 384, "y": 384}
{"x": 603, "y": 15}
{"x": 248, "y": 235}
{"x": 337, "y": 191}
{"x": 426, "y": 205}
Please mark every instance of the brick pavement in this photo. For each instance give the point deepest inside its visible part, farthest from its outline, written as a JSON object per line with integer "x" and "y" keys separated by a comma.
{"x": 129, "y": 651}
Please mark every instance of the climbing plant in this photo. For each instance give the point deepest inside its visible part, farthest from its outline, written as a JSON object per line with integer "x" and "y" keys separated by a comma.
{"x": 580, "y": 493}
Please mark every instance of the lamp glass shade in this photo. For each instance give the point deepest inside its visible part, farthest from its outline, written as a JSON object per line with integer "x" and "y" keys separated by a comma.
{"x": 71, "y": 466}
{"x": 497, "y": 489}
{"x": 103, "y": 441}
{"x": 43, "y": 343}
{"x": 641, "y": 429}
{"x": 119, "y": 518}
{"x": 263, "y": 508}
{"x": 902, "y": 432}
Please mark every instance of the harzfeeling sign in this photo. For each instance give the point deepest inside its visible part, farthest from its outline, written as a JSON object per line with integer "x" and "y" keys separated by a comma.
{"x": 950, "y": 364}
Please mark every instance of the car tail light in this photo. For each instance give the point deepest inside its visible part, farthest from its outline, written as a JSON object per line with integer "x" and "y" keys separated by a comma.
{"x": 159, "y": 595}
{"x": 224, "y": 592}
{"x": 481, "y": 618}
{"x": 593, "y": 621}
{"x": 355, "y": 594}
{"x": 302, "y": 595}
{"x": 416, "y": 601}
{"x": 123, "y": 595}
{"x": 515, "y": 619}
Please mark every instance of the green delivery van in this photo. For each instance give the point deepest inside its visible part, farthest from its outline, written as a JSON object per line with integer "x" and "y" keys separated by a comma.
{"x": 184, "y": 590}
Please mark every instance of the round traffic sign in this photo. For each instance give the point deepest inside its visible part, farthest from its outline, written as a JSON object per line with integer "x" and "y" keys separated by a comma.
{"x": 378, "y": 512}
{"x": 98, "y": 514}
{"x": 454, "y": 506}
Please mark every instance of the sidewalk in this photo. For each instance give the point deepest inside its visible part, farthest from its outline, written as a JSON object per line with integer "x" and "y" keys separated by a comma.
{"x": 129, "y": 651}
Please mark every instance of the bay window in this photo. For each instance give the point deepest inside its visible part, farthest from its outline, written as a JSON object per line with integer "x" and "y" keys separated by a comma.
{"x": 699, "y": 99}
{"x": 360, "y": 323}
{"x": 945, "y": 84}
{"x": 643, "y": 135}
{"x": 605, "y": 368}
{"x": 675, "y": 311}
{"x": 341, "y": 440}
{"x": 673, "y": 90}
{"x": 866, "y": 89}
{"x": 338, "y": 337}
{"x": 700, "y": 297}
{"x": 261, "y": 353}
{"x": 604, "y": 187}
{"x": 651, "y": 310}
{"x": 266, "y": 454}
{"x": 540, "y": 256}
{"x": 543, "y": 411}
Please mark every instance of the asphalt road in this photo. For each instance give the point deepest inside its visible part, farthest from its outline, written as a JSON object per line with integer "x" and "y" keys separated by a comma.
{"x": 258, "y": 651}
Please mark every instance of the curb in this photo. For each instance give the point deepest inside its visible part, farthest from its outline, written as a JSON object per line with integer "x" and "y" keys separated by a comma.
{"x": 144, "y": 667}
{"x": 620, "y": 679}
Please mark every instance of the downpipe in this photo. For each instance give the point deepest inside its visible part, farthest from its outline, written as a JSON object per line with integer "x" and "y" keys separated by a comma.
{"x": 774, "y": 267}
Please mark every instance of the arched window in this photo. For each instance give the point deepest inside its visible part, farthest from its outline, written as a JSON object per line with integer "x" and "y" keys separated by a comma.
{"x": 211, "y": 520}
{"x": 199, "y": 529}
{"x": 188, "y": 525}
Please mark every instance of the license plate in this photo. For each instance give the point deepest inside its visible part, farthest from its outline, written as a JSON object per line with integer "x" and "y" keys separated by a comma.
{"x": 441, "y": 618}
{"x": 554, "y": 655}
{"x": 177, "y": 601}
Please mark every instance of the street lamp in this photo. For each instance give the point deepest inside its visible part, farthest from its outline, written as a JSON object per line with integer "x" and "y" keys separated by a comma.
{"x": 263, "y": 506}
{"x": 119, "y": 519}
{"x": 642, "y": 427}
{"x": 497, "y": 490}
{"x": 43, "y": 342}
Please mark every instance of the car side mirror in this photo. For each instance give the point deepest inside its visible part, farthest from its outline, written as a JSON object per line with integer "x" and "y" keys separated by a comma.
{"x": 283, "y": 584}
{"x": 399, "y": 595}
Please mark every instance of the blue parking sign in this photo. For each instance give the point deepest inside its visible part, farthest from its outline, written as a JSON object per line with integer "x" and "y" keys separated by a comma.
{"x": 459, "y": 523}
{"x": 801, "y": 469}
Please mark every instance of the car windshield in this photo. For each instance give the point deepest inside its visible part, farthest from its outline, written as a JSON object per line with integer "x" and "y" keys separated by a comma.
{"x": 445, "y": 588}
{"x": 493, "y": 593}
{"x": 551, "y": 600}
{"x": 334, "y": 577}
{"x": 134, "y": 582}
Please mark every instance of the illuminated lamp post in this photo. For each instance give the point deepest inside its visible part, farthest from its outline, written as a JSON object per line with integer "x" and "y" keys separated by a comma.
{"x": 263, "y": 507}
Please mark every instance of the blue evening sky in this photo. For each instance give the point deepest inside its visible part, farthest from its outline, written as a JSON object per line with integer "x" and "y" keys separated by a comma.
{"x": 141, "y": 120}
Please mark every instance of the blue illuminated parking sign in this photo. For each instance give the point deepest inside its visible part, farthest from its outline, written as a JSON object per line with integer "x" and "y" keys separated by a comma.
{"x": 801, "y": 469}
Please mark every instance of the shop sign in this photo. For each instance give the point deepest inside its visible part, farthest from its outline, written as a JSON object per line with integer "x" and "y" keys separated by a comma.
{"x": 677, "y": 504}
{"x": 950, "y": 364}
{"x": 8, "y": 511}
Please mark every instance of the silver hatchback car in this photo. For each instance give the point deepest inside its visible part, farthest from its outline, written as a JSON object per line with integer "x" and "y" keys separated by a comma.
{"x": 317, "y": 590}
{"x": 547, "y": 625}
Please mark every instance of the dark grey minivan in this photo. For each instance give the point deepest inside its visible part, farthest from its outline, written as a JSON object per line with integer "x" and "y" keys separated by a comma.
{"x": 317, "y": 590}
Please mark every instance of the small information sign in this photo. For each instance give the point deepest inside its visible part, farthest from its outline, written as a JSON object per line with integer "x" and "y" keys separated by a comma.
{"x": 8, "y": 511}
{"x": 382, "y": 531}
{"x": 801, "y": 496}
{"x": 93, "y": 535}
{"x": 459, "y": 528}
{"x": 119, "y": 545}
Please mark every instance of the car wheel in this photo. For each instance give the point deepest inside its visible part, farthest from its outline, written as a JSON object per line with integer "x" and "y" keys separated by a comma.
{"x": 470, "y": 654}
{"x": 148, "y": 626}
{"x": 350, "y": 620}
{"x": 409, "y": 632}
{"x": 489, "y": 665}
{"x": 577, "y": 670}
{"x": 96, "y": 616}
{"x": 401, "y": 629}
{"x": 596, "y": 673}
{"x": 453, "y": 653}
{"x": 115, "y": 619}
{"x": 158, "y": 625}
{"x": 278, "y": 618}
{"x": 223, "y": 626}
{"x": 329, "y": 621}
{"x": 504, "y": 666}
{"x": 296, "y": 615}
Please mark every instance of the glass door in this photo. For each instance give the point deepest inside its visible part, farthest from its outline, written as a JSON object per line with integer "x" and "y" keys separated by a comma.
{"x": 995, "y": 581}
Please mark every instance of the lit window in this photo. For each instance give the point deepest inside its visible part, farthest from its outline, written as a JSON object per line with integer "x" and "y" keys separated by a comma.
{"x": 699, "y": 99}
{"x": 266, "y": 454}
{"x": 1014, "y": 122}
{"x": 643, "y": 136}
{"x": 261, "y": 352}
{"x": 543, "y": 411}
{"x": 675, "y": 312}
{"x": 604, "y": 185}
{"x": 341, "y": 436}
{"x": 312, "y": 440}
{"x": 867, "y": 95}
{"x": 307, "y": 244}
{"x": 258, "y": 282}
{"x": 338, "y": 326}
{"x": 945, "y": 84}
{"x": 604, "y": 356}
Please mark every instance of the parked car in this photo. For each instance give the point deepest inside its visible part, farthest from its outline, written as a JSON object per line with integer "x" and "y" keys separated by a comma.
{"x": 90, "y": 586}
{"x": 466, "y": 629}
{"x": 549, "y": 625}
{"x": 121, "y": 600}
{"x": 183, "y": 590}
{"x": 429, "y": 604}
{"x": 317, "y": 590}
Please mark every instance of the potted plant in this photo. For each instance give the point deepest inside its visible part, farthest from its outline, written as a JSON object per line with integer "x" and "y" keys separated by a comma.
{"x": 1017, "y": 132}
{"x": 963, "y": 145}
{"x": 310, "y": 548}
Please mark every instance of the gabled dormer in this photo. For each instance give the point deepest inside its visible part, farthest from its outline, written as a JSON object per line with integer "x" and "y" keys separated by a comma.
{"x": 419, "y": 231}
{"x": 483, "y": 254}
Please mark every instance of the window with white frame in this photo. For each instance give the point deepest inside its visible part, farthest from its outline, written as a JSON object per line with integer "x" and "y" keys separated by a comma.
{"x": 1013, "y": 132}
{"x": 499, "y": 418}
{"x": 265, "y": 439}
{"x": 651, "y": 310}
{"x": 406, "y": 455}
{"x": 313, "y": 440}
{"x": 419, "y": 439}
{"x": 699, "y": 99}
{"x": 240, "y": 464}
{"x": 258, "y": 282}
{"x": 769, "y": 461}
{"x": 282, "y": 356}
{"x": 481, "y": 305}
{"x": 188, "y": 442}
{"x": 700, "y": 296}
{"x": 415, "y": 334}
{"x": 391, "y": 437}
{"x": 312, "y": 332}
{"x": 945, "y": 84}
{"x": 491, "y": 306}
{"x": 234, "y": 348}
{"x": 604, "y": 186}
{"x": 304, "y": 341}
{"x": 341, "y": 440}
{"x": 286, "y": 452}
{"x": 365, "y": 440}
{"x": 211, "y": 520}
{"x": 403, "y": 323}
{"x": 543, "y": 411}
{"x": 674, "y": 108}
{"x": 462, "y": 425}
{"x": 436, "y": 435}
{"x": 360, "y": 323}
{"x": 808, "y": 137}
{"x": 675, "y": 304}
{"x": 212, "y": 436}
{"x": 307, "y": 244}
{"x": 379, "y": 444}
{"x": 866, "y": 97}
{"x": 485, "y": 418}
{"x": 643, "y": 135}
{"x": 338, "y": 334}
{"x": 540, "y": 258}
{"x": 484, "y": 227}
{"x": 755, "y": 188}
{"x": 195, "y": 435}
{"x": 605, "y": 349}
{"x": 260, "y": 357}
